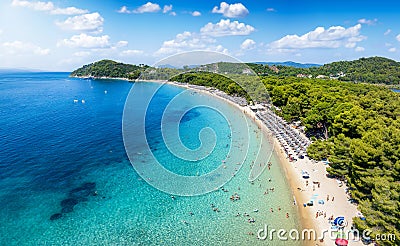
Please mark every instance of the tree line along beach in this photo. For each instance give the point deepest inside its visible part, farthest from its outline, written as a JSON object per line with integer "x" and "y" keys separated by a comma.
{"x": 338, "y": 117}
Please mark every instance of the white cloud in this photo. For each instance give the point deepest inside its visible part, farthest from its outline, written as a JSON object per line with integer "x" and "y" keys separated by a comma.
{"x": 248, "y": 44}
{"x": 167, "y": 8}
{"x": 231, "y": 10}
{"x": 87, "y": 23}
{"x": 48, "y": 7}
{"x": 333, "y": 37}
{"x": 121, "y": 44}
{"x": 18, "y": 47}
{"x": 226, "y": 28}
{"x": 173, "y": 13}
{"x": 188, "y": 41}
{"x": 68, "y": 11}
{"x": 124, "y": 10}
{"x": 398, "y": 37}
{"x": 86, "y": 41}
{"x": 393, "y": 49}
{"x": 388, "y": 31}
{"x": 149, "y": 7}
{"x": 82, "y": 53}
{"x": 39, "y": 6}
{"x": 368, "y": 22}
{"x": 359, "y": 49}
{"x": 271, "y": 10}
{"x": 350, "y": 45}
{"x": 183, "y": 40}
{"x": 196, "y": 13}
{"x": 131, "y": 52}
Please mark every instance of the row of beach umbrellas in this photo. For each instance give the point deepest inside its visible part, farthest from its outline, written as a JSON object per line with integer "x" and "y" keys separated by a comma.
{"x": 291, "y": 140}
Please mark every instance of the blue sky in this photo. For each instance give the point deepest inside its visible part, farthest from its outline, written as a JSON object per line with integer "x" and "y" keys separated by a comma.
{"x": 60, "y": 35}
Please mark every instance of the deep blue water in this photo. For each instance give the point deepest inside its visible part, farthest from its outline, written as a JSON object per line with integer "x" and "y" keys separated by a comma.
{"x": 396, "y": 90}
{"x": 49, "y": 139}
{"x": 65, "y": 178}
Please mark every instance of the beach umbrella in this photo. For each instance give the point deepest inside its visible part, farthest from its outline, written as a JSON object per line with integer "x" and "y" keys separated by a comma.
{"x": 341, "y": 242}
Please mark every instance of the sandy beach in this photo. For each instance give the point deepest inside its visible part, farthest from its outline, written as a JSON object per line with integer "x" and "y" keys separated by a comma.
{"x": 328, "y": 195}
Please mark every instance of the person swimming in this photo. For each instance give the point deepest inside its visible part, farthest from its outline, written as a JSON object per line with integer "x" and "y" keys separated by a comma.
{"x": 251, "y": 220}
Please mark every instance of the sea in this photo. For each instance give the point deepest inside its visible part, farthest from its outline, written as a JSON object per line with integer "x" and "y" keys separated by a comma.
{"x": 67, "y": 178}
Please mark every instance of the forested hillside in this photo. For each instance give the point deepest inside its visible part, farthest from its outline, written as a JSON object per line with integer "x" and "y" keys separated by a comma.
{"x": 110, "y": 69}
{"x": 362, "y": 123}
{"x": 369, "y": 70}
{"x": 375, "y": 70}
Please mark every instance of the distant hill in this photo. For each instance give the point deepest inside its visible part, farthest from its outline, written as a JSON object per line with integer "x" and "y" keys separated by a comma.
{"x": 109, "y": 69}
{"x": 20, "y": 70}
{"x": 289, "y": 64}
{"x": 177, "y": 67}
{"x": 376, "y": 70}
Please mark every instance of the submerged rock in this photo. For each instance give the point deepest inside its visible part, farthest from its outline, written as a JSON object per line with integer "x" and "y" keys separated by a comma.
{"x": 55, "y": 216}
{"x": 76, "y": 196}
{"x": 69, "y": 202}
{"x": 84, "y": 190}
{"x": 66, "y": 210}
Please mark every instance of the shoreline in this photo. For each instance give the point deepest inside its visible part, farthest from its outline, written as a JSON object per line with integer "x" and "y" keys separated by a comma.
{"x": 305, "y": 220}
{"x": 301, "y": 192}
{"x": 118, "y": 78}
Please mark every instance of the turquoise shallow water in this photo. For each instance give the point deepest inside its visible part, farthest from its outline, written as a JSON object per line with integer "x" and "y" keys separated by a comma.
{"x": 69, "y": 158}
